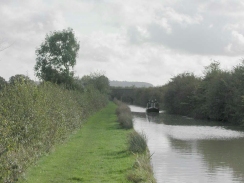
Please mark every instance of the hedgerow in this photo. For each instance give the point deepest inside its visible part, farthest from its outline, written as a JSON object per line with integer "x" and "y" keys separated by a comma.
{"x": 33, "y": 118}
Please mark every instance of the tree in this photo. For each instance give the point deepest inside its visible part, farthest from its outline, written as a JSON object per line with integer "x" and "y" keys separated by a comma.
{"x": 211, "y": 70}
{"x": 3, "y": 83}
{"x": 97, "y": 81}
{"x": 179, "y": 96}
{"x": 56, "y": 57}
{"x": 20, "y": 78}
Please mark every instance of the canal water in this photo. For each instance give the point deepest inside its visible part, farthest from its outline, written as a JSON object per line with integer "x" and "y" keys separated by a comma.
{"x": 185, "y": 150}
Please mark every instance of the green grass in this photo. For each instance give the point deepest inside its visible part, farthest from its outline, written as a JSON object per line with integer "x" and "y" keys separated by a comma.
{"x": 96, "y": 153}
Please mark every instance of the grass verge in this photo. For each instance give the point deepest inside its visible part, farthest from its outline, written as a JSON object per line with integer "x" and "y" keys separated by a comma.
{"x": 96, "y": 153}
{"x": 142, "y": 171}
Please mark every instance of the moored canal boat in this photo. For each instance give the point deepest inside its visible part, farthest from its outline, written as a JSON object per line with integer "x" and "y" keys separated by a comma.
{"x": 152, "y": 109}
{"x": 152, "y": 106}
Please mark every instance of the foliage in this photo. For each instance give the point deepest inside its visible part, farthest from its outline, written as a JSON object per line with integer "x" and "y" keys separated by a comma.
{"x": 19, "y": 78}
{"x": 3, "y": 83}
{"x": 218, "y": 95}
{"x": 35, "y": 117}
{"x": 122, "y": 107}
{"x": 236, "y": 94}
{"x": 97, "y": 81}
{"x": 178, "y": 96}
{"x": 125, "y": 118}
{"x": 56, "y": 57}
{"x": 137, "y": 142}
{"x": 145, "y": 94}
{"x": 138, "y": 96}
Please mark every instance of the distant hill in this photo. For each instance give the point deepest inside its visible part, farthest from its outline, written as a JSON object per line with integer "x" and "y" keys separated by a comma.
{"x": 130, "y": 84}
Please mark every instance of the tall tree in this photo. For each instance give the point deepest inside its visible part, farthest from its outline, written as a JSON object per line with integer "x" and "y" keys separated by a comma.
{"x": 56, "y": 57}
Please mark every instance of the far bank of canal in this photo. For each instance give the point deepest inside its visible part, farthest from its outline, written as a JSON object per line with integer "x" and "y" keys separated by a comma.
{"x": 192, "y": 151}
{"x": 96, "y": 153}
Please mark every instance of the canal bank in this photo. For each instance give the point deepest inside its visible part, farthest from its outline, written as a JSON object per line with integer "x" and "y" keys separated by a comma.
{"x": 96, "y": 153}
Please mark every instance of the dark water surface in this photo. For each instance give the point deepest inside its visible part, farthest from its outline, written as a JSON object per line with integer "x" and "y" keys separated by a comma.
{"x": 192, "y": 151}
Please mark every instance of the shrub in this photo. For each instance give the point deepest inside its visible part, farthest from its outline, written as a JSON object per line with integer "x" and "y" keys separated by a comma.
{"x": 137, "y": 142}
{"x": 123, "y": 112}
{"x": 125, "y": 120}
{"x": 142, "y": 170}
{"x": 122, "y": 108}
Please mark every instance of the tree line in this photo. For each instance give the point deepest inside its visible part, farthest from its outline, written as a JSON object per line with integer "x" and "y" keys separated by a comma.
{"x": 217, "y": 95}
{"x": 138, "y": 96}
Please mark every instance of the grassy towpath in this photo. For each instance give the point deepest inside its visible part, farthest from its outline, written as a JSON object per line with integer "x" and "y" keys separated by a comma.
{"x": 96, "y": 153}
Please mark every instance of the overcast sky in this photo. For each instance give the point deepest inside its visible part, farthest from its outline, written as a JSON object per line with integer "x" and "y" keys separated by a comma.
{"x": 129, "y": 40}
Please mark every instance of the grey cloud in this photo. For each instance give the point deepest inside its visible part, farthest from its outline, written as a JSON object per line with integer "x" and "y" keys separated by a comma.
{"x": 196, "y": 39}
{"x": 134, "y": 35}
{"x": 196, "y": 27}
{"x": 100, "y": 54}
{"x": 228, "y": 7}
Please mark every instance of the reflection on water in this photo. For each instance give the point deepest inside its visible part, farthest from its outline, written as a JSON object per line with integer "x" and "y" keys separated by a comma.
{"x": 187, "y": 150}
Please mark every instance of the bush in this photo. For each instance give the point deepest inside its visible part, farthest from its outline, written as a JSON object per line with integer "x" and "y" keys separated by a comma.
{"x": 125, "y": 120}
{"x": 123, "y": 112}
{"x": 122, "y": 108}
{"x": 137, "y": 142}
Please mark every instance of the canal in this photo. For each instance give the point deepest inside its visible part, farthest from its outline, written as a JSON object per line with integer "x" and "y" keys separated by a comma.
{"x": 185, "y": 150}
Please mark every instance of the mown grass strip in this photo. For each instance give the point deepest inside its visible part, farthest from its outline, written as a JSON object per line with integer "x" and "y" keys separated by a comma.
{"x": 96, "y": 153}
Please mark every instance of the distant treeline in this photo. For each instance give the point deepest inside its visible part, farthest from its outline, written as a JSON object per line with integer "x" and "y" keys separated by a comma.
{"x": 138, "y": 96}
{"x": 217, "y": 95}
{"x": 129, "y": 84}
